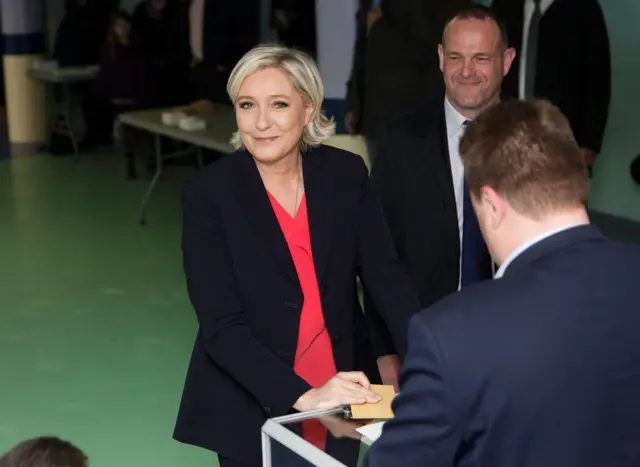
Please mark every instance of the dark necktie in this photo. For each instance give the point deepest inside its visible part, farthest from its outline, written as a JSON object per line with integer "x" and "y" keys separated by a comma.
{"x": 532, "y": 52}
{"x": 475, "y": 262}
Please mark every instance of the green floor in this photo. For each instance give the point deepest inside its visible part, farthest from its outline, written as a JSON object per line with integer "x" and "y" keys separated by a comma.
{"x": 96, "y": 327}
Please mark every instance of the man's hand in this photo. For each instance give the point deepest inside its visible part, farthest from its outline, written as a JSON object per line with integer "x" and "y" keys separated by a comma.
{"x": 349, "y": 121}
{"x": 373, "y": 15}
{"x": 341, "y": 428}
{"x": 389, "y": 368}
{"x": 589, "y": 156}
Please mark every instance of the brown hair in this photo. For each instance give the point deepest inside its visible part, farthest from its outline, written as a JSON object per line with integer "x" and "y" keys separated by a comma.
{"x": 45, "y": 451}
{"x": 525, "y": 151}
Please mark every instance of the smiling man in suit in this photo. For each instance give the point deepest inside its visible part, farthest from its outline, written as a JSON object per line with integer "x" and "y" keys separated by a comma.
{"x": 540, "y": 366}
{"x": 418, "y": 171}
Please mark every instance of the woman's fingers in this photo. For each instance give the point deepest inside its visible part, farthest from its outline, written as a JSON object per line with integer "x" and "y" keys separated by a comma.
{"x": 360, "y": 392}
{"x": 356, "y": 377}
{"x": 356, "y": 393}
{"x": 345, "y": 389}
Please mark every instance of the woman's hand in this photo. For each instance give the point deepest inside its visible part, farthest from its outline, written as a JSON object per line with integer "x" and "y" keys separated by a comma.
{"x": 343, "y": 389}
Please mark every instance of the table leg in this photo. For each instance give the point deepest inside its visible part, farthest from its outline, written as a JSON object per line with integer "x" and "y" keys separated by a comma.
{"x": 266, "y": 450}
{"x": 154, "y": 181}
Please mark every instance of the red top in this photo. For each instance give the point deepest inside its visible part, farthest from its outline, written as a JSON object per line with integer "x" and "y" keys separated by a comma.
{"x": 314, "y": 360}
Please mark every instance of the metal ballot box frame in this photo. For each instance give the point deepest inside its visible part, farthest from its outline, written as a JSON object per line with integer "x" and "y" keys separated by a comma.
{"x": 274, "y": 430}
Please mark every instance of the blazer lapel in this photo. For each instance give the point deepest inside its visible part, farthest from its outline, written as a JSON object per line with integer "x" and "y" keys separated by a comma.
{"x": 442, "y": 164}
{"x": 318, "y": 190}
{"x": 254, "y": 201}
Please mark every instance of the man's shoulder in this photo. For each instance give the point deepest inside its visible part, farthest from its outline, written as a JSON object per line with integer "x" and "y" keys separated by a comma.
{"x": 471, "y": 306}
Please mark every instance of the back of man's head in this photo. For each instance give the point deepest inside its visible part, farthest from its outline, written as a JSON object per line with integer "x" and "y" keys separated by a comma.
{"x": 526, "y": 152}
{"x": 46, "y": 451}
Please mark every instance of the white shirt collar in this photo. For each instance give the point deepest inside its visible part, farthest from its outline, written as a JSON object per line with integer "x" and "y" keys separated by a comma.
{"x": 544, "y": 4}
{"x": 453, "y": 118}
{"x": 526, "y": 245}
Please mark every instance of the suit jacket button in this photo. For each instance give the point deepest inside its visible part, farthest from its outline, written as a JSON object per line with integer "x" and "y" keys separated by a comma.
{"x": 291, "y": 305}
{"x": 337, "y": 338}
{"x": 268, "y": 411}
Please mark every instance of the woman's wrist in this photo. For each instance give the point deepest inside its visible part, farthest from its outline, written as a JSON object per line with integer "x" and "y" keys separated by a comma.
{"x": 305, "y": 401}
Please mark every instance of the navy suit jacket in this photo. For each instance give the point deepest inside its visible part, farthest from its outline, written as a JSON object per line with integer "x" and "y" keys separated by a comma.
{"x": 244, "y": 288}
{"x": 540, "y": 368}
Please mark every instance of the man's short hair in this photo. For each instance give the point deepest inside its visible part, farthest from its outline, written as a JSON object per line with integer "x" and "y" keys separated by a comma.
{"x": 525, "y": 151}
{"x": 45, "y": 451}
{"x": 483, "y": 13}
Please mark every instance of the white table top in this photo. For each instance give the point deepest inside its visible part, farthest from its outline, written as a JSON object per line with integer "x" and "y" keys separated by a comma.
{"x": 221, "y": 124}
{"x": 65, "y": 74}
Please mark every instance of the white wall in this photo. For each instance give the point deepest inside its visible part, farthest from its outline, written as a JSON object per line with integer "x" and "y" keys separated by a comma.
{"x": 336, "y": 30}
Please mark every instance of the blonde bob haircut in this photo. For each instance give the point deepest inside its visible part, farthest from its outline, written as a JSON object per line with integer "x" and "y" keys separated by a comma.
{"x": 305, "y": 78}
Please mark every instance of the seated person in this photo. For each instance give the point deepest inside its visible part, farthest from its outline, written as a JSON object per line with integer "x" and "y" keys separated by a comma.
{"x": 124, "y": 78}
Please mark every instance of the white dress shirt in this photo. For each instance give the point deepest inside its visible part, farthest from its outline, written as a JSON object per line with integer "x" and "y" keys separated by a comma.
{"x": 518, "y": 251}
{"x": 455, "y": 129}
{"x": 529, "y": 5}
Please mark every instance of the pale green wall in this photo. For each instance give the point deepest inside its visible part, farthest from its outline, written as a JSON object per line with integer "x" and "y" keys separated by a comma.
{"x": 613, "y": 191}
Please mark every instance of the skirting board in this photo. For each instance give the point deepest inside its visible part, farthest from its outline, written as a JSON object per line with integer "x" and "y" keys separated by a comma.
{"x": 614, "y": 225}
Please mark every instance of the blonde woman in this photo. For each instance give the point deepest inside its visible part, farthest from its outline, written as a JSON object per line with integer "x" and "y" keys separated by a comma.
{"x": 274, "y": 238}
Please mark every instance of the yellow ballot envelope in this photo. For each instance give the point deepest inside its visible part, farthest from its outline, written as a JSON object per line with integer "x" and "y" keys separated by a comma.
{"x": 381, "y": 410}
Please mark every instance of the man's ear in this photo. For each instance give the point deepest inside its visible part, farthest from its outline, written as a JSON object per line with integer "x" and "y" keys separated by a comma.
{"x": 494, "y": 206}
{"x": 441, "y": 56}
{"x": 508, "y": 58}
